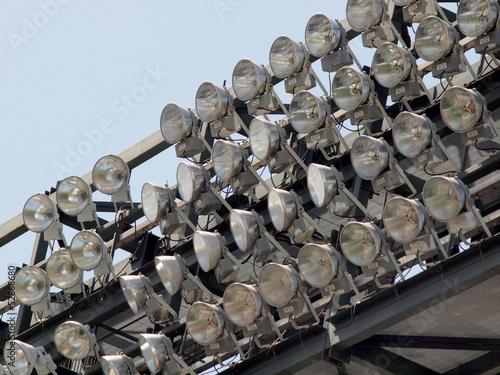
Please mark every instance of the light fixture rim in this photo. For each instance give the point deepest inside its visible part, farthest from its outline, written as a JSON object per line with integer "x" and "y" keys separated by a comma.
{"x": 374, "y": 231}
{"x": 337, "y": 33}
{"x": 419, "y": 209}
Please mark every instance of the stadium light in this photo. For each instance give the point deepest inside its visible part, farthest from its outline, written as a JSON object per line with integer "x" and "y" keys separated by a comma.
{"x": 286, "y": 212}
{"x": 311, "y": 115}
{"x": 75, "y": 341}
{"x": 465, "y": 111}
{"x": 158, "y": 352}
{"x": 437, "y": 41}
{"x": 181, "y": 126}
{"x": 479, "y": 19}
{"x": 415, "y": 11}
{"x": 416, "y": 138}
{"x": 40, "y": 216}
{"x": 89, "y": 252}
{"x": 373, "y": 160}
{"x": 158, "y": 204}
{"x": 139, "y": 293}
{"x": 74, "y": 198}
{"x": 22, "y": 358}
{"x": 249, "y": 232}
{"x": 118, "y": 365}
{"x": 111, "y": 176}
{"x": 64, "y": 273}
{"x": 32, "y": 288}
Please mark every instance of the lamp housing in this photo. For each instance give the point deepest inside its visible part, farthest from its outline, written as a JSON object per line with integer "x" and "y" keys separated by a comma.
{"x": 350, "y": 88}
{"x": 74, "y": 198}
{"x": 22, "y": 358}
{"x": 205, "y": 322}
{"x": 89, "y": 252}
{"x": 242, "y": 303}
{"x": 318, "y": 264}
{"x": 63, "y": 272}
{"x": 32, "y": 288}
{"x": 75, "y": 341}
{"x": 111, "y": 176}
{"x": 360, "y": 242}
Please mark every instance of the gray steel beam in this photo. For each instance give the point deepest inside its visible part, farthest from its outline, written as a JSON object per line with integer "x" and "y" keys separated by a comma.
{"x": 424, "y": 290}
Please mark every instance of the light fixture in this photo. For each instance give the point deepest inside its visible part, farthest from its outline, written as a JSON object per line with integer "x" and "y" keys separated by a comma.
{"x": 158, "y": 204}
{"x": 286, "y": 212}
{"x": 64, "y": 273}
{"x": 363, "y": 244}
{"x": 251, "y": 84}
{"x": 479, "y": 19}
{"x": 309, "y": 113}
{"x": 89, "y": 252}
{"x": 139, "y": 293}
{"x": 351, "y": 92}
{"x": 32, "y": 288}
{"x": 326, "y": 187}
{"x": 288, "y": 60}
{"x": 193, "y": 185}
{"x": 326, "y": 38}
{"x": 158, "y": 352}
{"x": 268, "y": 142}
{"x": 464, "y": 111}
{"x": 249, "y": 232}
{"x": 205, "y": 322}
{"x": 395, "y": 68}
{"x": 367, "y": 17}
{"x": 211, "y": 251}
{"x": 242, "y": 303}
{"x": 415, "y": 11}
{"x": 118, "y": 365}
{"x": 175, "y": 276}
{"x": 40, "y": 216}
{"x": 230, "y": 165}
{"x": 445, "y": 198}
{"x": 75, "y": 341}
{"x": 74, "y": 198}
{"x": 179, "y": 126}
{"x": 319, "y": 264}
{"x": 22, "y": 358}
{"x": 415, "y": 137}
{"x": 436, "y": 41}
{"x": 404, "y": 219}
{"x": 370, "y": 157}
{"x": 111, "y": 176}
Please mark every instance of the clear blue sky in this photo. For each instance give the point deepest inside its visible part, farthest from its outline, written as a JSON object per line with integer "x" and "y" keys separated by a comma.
{"x": 69, "y": 68}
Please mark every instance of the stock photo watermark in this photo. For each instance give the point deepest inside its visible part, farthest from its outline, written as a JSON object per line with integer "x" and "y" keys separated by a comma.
{"x": 31, "y": 26}
{"x": 222, "y": 7}
{"x": 121, "y": 108}
{"x": 11, "y": 312}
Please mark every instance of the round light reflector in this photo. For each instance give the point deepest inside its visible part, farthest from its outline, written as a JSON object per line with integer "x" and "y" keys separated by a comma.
{"x": 403, "y": 218}
{"x": 208, "y": 249}
{"x": 411, "y": 133}
{"x": 360, "y": 242}
{"x": 87, "y": 250}
{"x": 227, "y": 158}
{"x": 245, "y": 228}
{"x": 363, "y": 14}
{"x": 350, "y": 88}
{"x": 73, "y": 195}
{"x": 461, "y": 108}
{"x": 318, "y": 264}
{"x": 264, "y": 138}
{"x": 369, "y": 156}
{"x": 307, "y": 112}
{"x": 434, "y": 38}
{"x": 176, "y": 123}
{"x": 211, "y": 102}
{"x": 31, "y": 285}
{"x": 73, "y": 340}
{"x": 242, "y": 303}
{"x": 278, "y": 284}
{"x": 476, "y": 17}
{"x": 282, "y": 208}
{"x": 249, "y": 80}
{"x": 205, "y": 322}
{"x": 155, "y": 199}
{"x": 444, "y": 197}
{"x": 322, "y": 35}
{"x": 321, "y": 183}
{"x": 110, "y": 174}
{"x": 190, "y": 181}
{"x": 62, "y": 271}
{"x": 391, "y": 64}
{"x": 286, "y": 57}
{"x": 39, "y": 212}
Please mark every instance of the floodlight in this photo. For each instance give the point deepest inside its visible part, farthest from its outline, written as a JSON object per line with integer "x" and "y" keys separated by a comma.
{"x": 403, "y": 218}
{"x": 228, "y": 159}
{"x": 363, "y": 14}
{"x": 307, "y": 112}
{"x": 412, "y": 133}
{"x": 249, "y": 80}
{"x": 63, "y": 272}
{"x": 282, "y": 208}
{"x": 74, "y": 198}
{"x": 118, "y": 365}
{"x": 278, "y": 284}
{"x": 205, "y": 322}
{"x": 286, "y": 57}
{"x": 361, "y": 243}
{"x": 155, "y": 200}
{"x": 22, "y": 358}
{"x": 245, "y": 228}
{"x": 321, "y": 183}
{"x": 40, "y": 216}
{"x": 391, "y": 64}
{"x": 476, "y": 17}
{"x": 350, "y": 88}
{"x": 89, "y": 252}
{"x": 434, "y": 39}
{"x": 212, "y": 102}
{"x": 208, "y": 249}
{"x": 461, "y": 108}
{"x": 190, "y": 181}
{"x": 444, "y": 197}
{"x": 242, "y": 303}
{"x": 322, "y": 35}
{"x": 369, "y": 156}
{"x": 264, "y": 138}
{"x": 318, "y": 264}
{"x": 176, "y": 123}
{"x": 170, "y": 271}
{"x": 32, "y": 287}
{"x": 75, "y": 341}
{"x": 110, "y": 174}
